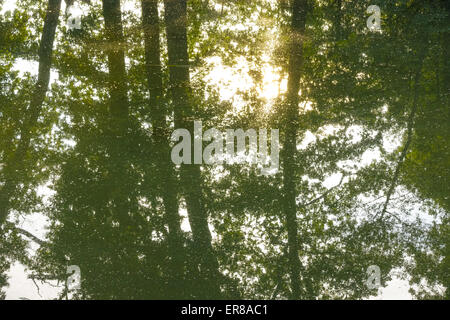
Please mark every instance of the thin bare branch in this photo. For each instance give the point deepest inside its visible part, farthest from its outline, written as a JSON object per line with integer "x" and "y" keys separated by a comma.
{"x": 324, "y": 194}
{"x": 31, "y": 236}
{"x": 409, "y": 135}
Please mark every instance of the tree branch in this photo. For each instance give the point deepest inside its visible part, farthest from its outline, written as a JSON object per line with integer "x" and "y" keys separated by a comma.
{"x": 409, "y": 135}
{"x": 324, "y": 194}
{"x": 31, "y": 236}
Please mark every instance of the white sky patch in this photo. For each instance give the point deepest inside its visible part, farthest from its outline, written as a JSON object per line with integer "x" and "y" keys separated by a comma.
{"x": 229, "y": 79}
{"x": 332, "y": 180}
{"x": 355, "y": 133}
{"x": 369, "y": 156}
{"x": 75, "y": 10}
{"x": 307, "y": 139}
{"x": 273, "y": 85}
{"x": 396, "y": 289}
{"x": 8, "y": 5}
{"x": 185, "y": 226}
{"x": 25, "y": 66}
{"x": 21, "y": 287}
{"x": 130, "y": 5}
{"x": 392, "y": 141}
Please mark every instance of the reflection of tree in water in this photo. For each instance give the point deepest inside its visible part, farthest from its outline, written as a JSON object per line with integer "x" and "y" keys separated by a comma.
{"x": 100, "y": 135}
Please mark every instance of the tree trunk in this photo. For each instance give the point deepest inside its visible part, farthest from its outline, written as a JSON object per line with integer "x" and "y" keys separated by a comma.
{"x": 116, "y": 65}
{"x": 291, "y": 125}
{"x": 118, "y": 111}
{"x": 15, "y": 164}
{"x": 176, "y": 21}
{"x": 165, "y": 169}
